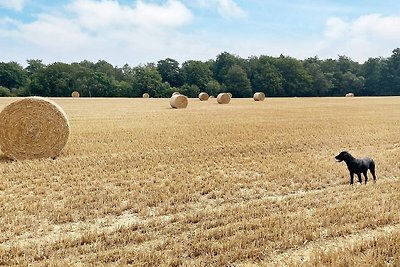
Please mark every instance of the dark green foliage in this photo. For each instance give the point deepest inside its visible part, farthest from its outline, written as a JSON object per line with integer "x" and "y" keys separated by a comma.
{"x": 237, "y": 82}
{"x": 170, "y": 72}
{"x": 275, "y": 76}
{"x": 197, "y": 73}
{"x": 12, "y": 75}
{"x": 4, "y": 91}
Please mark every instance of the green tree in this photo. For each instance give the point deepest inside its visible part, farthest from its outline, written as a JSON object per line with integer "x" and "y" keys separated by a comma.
{"x": 265, "y": 77}
{"x": 390, "y": 75}
{"x": 372, "y": 71}
{"x": 213, "y": 88}
{"x": 296, "y": 80}
{"x": 34, "y": 65}
{"x": 147, "y": 80}
{"x": 170, "y": 72}
{"x": 223, "y": 63}
{"x": 237, "y": 82}
{"x": 197, "y": 73}
{"x": 4, "y": 92}
{"x": 321, "y": 82}
{"x": 190, "y": 90}
{"x": 12, "y": 75}
{"x": 54, "y": 80}
{"x": 101, "y": 85}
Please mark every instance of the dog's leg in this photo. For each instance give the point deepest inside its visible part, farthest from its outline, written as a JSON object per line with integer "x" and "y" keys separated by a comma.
{"x": 372, "y": 170}
{"x": 351, "y": 178}
{"x": 366, "y": 177}
{"x": 359, "y": 178}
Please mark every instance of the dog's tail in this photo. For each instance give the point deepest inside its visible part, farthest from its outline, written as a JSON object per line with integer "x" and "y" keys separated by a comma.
{"x": 372, "y": 169}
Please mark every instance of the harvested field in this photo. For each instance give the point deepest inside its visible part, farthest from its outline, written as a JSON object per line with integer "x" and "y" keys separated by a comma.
{"x": 245, "y": 184}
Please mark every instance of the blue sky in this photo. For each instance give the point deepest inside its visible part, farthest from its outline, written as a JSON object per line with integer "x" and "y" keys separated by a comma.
{"x": 141, "y": 31}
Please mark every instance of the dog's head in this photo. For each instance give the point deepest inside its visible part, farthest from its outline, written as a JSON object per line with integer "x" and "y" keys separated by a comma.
{"x": 342, "y": 156}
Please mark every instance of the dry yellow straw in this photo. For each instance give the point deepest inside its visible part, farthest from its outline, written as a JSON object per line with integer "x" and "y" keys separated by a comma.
{"x": 178, "y": 101}
{"x": 32, "y": 128}
{"x": 75, "y": 94}
{"x": 203, "y": 96}
{"x": 259, "y": 96}
{"x": 223, "y": 98}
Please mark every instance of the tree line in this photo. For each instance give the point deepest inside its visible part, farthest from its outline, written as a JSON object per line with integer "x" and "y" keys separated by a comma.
{"x": 275, "y": 76}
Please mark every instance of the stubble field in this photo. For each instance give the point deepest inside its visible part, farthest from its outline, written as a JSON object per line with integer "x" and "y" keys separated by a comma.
{"x": 244, "y": 184}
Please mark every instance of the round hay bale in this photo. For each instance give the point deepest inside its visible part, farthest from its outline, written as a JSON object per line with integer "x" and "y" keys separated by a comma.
{"x": 33, "y": 128}
{"x": 75, "y": 94}
{"x": 203, "y": 96}
{"x": 146, "y": 95}
{"x": 176, "y": 93}
{"x": 178, "y": 101}
{"x": 223, "y": 98}
{"x": 211, "y": 96}
{"x": 230, "y": 95}
{"x": 259, "y": 96}
{"x": 350, "y": 95}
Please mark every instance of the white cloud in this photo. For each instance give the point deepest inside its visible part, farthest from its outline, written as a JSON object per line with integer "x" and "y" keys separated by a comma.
{"x": 226, "y": 8}
{"x": 366, "y": 36}
{"x": 12, "y": 4}
{"x": 95, "y": 15}
{"x": 336, "y": 28}
{"x": 93, "y": 30}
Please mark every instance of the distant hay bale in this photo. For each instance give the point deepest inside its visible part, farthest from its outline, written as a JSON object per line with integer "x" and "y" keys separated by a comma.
{"x": 176, "y": 93}
{"x": 223, "y": 98}
{"x": 75, "y": 94}
{"x": 259, "y": 96}
{"x": 178, "y": 101}
{"x": 230, "y": 95}
{"x": 33, "y": 128}
{"x": 203, "y": 96}
{"x": 146, "y": 95}
{"x": 211, "y": 96}
{"x": 350, "y": 95}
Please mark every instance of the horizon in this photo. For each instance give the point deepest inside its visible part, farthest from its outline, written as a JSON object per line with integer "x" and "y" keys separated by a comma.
{"x": 140, "y": 32}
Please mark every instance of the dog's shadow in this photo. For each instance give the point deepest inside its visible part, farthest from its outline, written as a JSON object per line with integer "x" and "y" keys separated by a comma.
{"x": 5, "y": 159}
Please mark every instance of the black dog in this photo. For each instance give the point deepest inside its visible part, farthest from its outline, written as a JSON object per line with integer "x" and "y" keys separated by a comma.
{"x": 357, "y": 166}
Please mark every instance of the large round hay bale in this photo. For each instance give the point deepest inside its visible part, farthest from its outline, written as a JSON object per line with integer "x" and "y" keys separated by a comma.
{"x": 350, "y": 95}
{"x": 203, "y": 96}
{"x": 146, "y": 95}
{"x": 176, "y": 93}
{"x": 32, "y": 128}
{"x": 259, "y": 96}
{"x": 223, "y": 98}
{"x": 178, "y": 101}
{"x": 230, "y": 94}
{"x": 75, "y": 94}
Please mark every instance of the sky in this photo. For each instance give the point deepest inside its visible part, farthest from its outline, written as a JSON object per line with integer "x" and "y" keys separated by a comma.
{"x": 137, "y": 32}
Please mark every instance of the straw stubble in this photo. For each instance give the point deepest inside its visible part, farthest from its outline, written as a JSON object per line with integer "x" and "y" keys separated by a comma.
{"x": 33, "y": 128}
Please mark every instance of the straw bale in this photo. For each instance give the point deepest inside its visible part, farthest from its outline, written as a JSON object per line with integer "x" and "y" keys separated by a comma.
{"x": 203, "y": 96}
{"x": 223, "y": 98}
{"x": 178, "y": 101}
{"x": 259, "y": 96}
{"x": 350, "y": 95}
{"x": 176, "y": 93}
{"x": 75, "y": 94}
{"x": 33, "y": 128}
{"x": 146, "y": 95}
